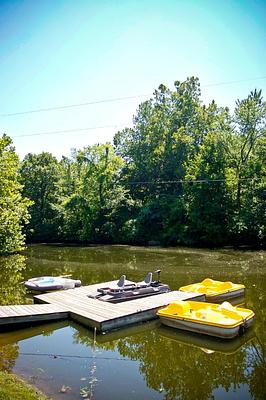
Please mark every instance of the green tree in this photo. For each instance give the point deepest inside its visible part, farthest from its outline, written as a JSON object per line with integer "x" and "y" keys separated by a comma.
{"x": 165, "y": 130}
{"x": 206, "y": 200}
{"x": 98, "y": 205}
{"x": 13, "y": 207}
{"x": 165, "y": 147}
{"x": 40, "y": 176}
{"x": 185, "y": 173}
{"x": 245, "y": 144}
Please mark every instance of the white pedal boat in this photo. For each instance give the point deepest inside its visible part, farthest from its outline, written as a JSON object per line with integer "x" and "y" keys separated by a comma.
{"x": 47, "y": 283}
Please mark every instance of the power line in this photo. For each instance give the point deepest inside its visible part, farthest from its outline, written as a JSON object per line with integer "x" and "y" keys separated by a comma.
{"x": 188, "y": 181}
{"x": 117, "y": 99}
{"x": 101, "y": 101}
{"x": 233, "y": 82}
{"x": 75, "y": 105}
{"x": 69, "y": 130}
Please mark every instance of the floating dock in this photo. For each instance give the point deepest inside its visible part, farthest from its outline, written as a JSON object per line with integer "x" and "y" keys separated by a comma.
{"x": 31, "y": 313}
{"x": 94, "y": 313}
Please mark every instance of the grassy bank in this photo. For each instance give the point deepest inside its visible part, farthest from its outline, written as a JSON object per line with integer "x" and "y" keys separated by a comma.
{"x": 12, "y": 387}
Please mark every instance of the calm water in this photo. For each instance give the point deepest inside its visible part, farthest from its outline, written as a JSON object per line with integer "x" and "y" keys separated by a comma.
{"x": 147, "y": 361}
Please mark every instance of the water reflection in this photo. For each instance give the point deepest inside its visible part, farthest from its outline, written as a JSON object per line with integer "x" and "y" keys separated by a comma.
{"x": 147, "y": 361}
{"x": 12, "y": 270}
{"x": 173, "y": 364}
{"x": 8, "y": 356}
{"x": 207, "y": 344}
{"x": 180, "y": 371}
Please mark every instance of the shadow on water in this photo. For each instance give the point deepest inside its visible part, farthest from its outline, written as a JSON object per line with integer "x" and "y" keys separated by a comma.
{"x": 146, "y": 361}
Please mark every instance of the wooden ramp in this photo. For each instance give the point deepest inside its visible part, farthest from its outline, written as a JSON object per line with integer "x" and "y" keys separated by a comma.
{"x": 94, "y": 313}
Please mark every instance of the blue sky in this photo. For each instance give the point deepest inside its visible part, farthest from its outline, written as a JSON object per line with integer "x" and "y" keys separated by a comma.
{"x": 60, "y": 52}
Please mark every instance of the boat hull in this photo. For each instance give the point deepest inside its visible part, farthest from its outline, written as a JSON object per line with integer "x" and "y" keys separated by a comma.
{"x": 48, "y": 283}
{"x": 131, "y": 294}
{"x": 221, "y": 332}
{"x": 216, "y": 291}
{"x": 225, "y": 296}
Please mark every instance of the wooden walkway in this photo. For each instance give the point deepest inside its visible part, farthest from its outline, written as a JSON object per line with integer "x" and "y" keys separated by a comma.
{"x": 94, "y": 313}
{"x": 12, "y": 315}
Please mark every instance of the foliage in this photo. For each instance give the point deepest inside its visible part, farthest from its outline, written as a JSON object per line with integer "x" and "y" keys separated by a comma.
{"x": 207, "y": 203}
{"x": 198, "y": 171}
{"x": 185, "y": 173}
{"x": 96, "y": 206}
{"x": 246, "y": 145}
{"x": 40, "y": 174}
{"x": 13, "y": 207}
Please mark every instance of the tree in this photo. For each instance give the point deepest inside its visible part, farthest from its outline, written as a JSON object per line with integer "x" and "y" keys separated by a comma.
{"x": 245, "y": 144}
{"x": 40, "y": 176}
{"x": 167, "y": 141}
{"x": 207, "y": 199}
{"x": 165, "y": 130}
{"x": 13, "y": 207}
{"x": 185, "y": 173}
{"x": 97, "y": 207}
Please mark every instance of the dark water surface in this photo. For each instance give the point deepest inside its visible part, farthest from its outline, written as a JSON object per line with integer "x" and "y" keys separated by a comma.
{"x": 147, "y": 361}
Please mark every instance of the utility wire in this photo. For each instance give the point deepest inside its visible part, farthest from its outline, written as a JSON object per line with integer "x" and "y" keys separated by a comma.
{"x": 97, "y": 102}
{"x": 112, "y": 100}
{"x": 188, "y": 181}
{"x": 75, "y": 105}
{"x": 69, "y": 130}
{"x": 194, "y": 181}
{"x": 233, "y": 82}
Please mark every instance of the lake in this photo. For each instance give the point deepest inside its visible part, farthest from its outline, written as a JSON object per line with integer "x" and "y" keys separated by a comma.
{"x": 146, "y": 361}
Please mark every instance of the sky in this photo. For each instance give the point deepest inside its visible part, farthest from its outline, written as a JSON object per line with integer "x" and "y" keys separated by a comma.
{"x": 56, "y": 53}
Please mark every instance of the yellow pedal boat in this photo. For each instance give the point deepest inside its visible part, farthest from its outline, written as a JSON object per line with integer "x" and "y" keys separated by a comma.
{"x": 220, "y": 320}
{"x": 215, "y": 291}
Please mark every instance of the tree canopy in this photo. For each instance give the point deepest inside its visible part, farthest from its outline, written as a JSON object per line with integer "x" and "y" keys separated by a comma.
{"x": 13, "y": 207}
{"x": 184, "y": 173}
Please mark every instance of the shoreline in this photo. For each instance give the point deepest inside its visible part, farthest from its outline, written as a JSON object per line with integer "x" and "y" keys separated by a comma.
{"x": 12, "y": 387}
{"x": 242, "y": 247}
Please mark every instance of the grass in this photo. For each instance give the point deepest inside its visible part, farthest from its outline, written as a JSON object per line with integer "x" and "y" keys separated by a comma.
{"x": 14, "y": 388}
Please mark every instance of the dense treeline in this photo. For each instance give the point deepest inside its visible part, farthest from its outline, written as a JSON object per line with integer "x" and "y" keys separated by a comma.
{"x": 185, "y": 173}
{"x": 13, "y": 207}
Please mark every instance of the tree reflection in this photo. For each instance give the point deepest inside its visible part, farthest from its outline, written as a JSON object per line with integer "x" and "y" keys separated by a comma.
{"x": 11, "y": 274}
{"x": 256, "y": 361}
{"x": 180, "y": 369}
{"x": 8, "y": 356}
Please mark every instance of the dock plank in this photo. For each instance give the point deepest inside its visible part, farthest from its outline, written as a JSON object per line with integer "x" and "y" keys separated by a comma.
{"x": 17, "y": 314}
{"x": 75, "y": 304}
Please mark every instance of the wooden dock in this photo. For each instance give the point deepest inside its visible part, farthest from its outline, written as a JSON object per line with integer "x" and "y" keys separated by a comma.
{"x": 21, "y": 314}
{"x": 93, "y": 313}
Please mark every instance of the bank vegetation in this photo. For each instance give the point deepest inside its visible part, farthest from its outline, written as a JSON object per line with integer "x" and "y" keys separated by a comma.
{"x": 185, "y": 173}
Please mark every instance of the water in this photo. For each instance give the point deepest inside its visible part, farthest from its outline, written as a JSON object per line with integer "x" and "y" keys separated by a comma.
{"x": 146, "y": 361}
